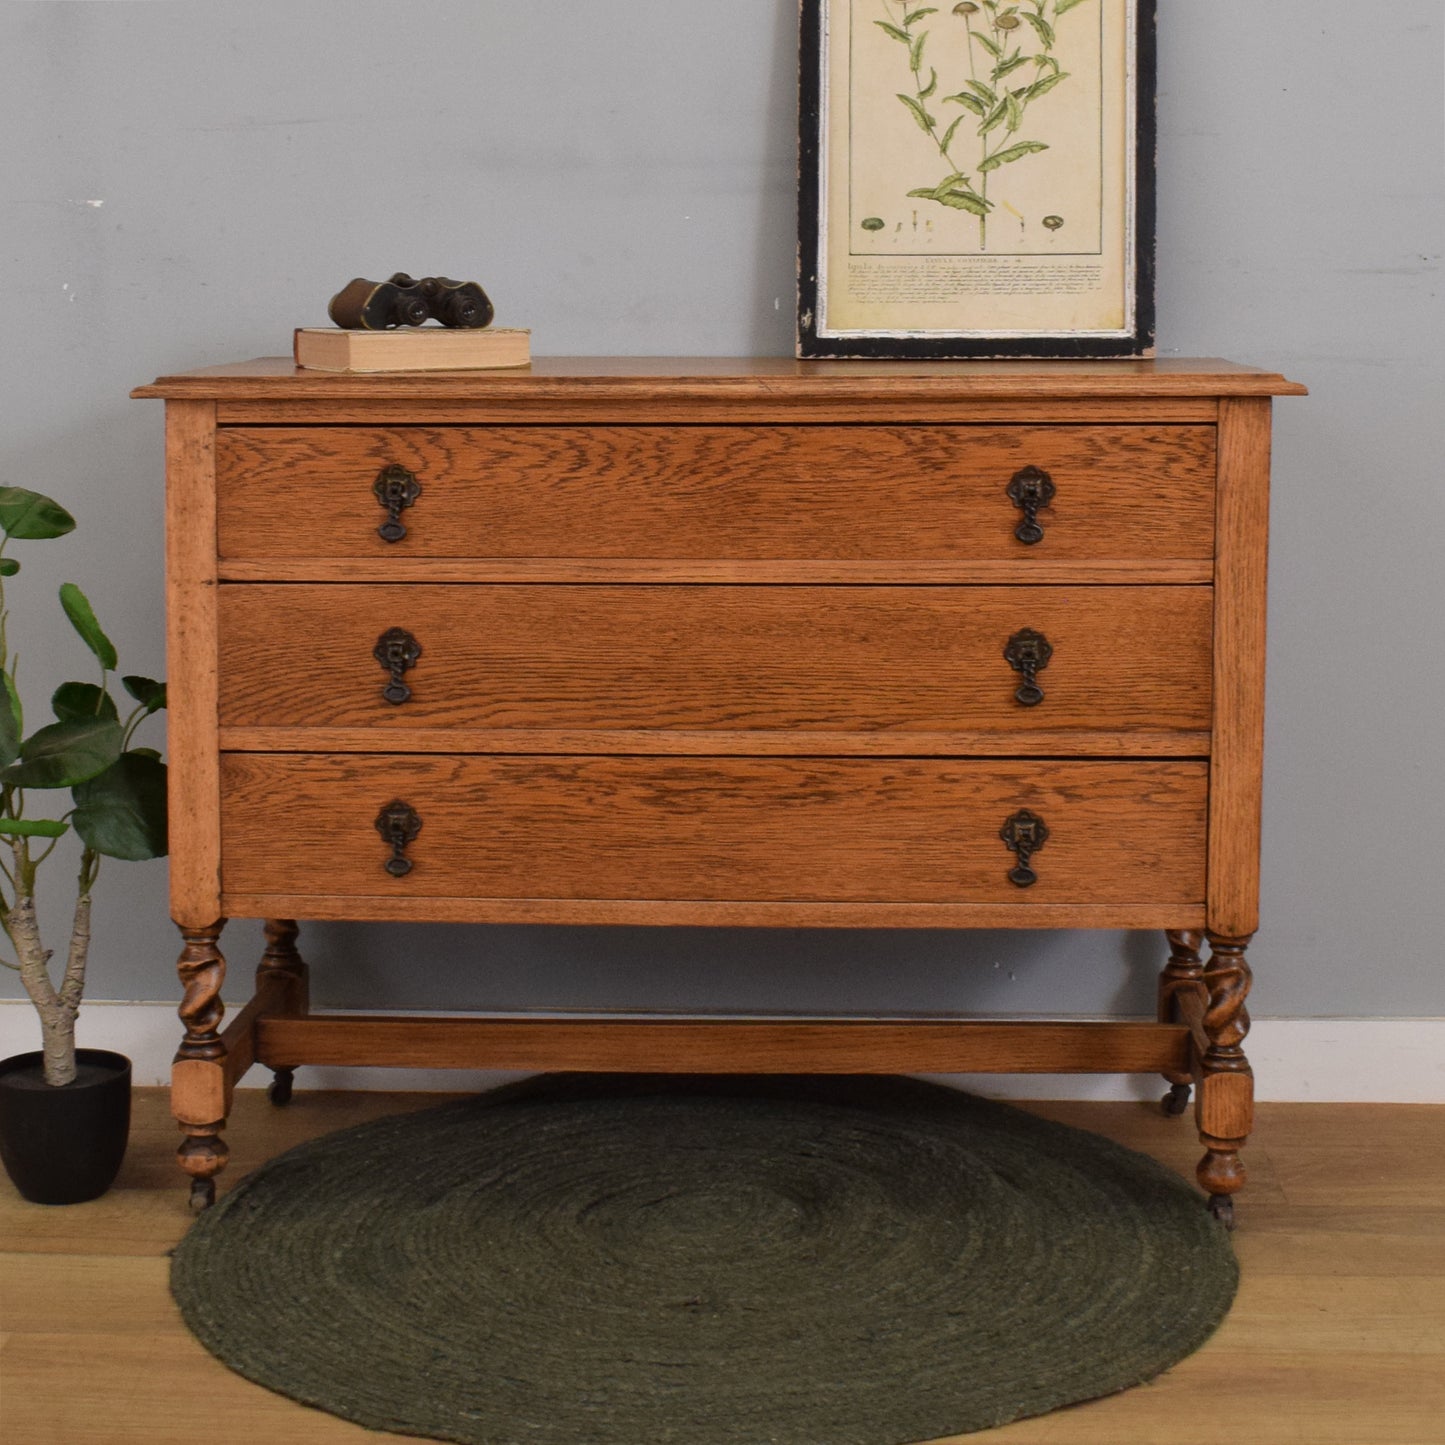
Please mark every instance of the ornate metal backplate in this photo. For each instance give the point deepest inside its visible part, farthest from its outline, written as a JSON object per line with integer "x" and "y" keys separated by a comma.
{"x": 397, "y": 651}
{"x": 1031, "y": 489}
{"x": 1024, "y": 834}
{"x": 398, "y": 823}
{"x": 396, "y": 489}
{"x": 1028, "y": 652}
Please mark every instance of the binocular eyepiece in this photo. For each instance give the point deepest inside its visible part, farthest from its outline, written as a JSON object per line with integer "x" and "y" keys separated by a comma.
{"x": 403, "y": 301}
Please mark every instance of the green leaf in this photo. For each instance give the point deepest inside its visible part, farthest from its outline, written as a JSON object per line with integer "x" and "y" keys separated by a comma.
{"x": 929, "y": 88}
{"x": 1011, "y": 65}
{"x": 1043, "y": 60}
{"x": 894, "y": 31}
{"x": 1013, "y": 153}
{"x": 1015, "y": 112}
{"x": 8, "y": 566}
{"x": 64, "y": 754}
{"x": 122, "y": 812}
{"x": 1045, "y": 30}
{"x": 915, "y": 51}
{"x": 918, "y": 15}
{"x": 82, "y": 618}
{"x": 948, "y": 134}
{"x": 1064, "y": 6}
{"x": 995, "y": 117}
{"x": 965, "y": 201}
{"x": 925, "y": 121}
{"x": 1044, "y": 86}
{"x": 971, "y": 101}
{"x": 144, "y": 752}
{"x": 987, "y": 44}
{"x": 7, "y": 679}
{"x": 29, "y": 514}
{"x": 33, "y": 828}
{"x": 985, "y": 91}
{"x": 77, "y": 701}
{"x": 12, "y": 721}
{"x": 146, "y": 690}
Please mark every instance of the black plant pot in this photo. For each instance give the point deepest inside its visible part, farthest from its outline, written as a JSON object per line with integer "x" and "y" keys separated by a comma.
{"x": 65, "y": 1145}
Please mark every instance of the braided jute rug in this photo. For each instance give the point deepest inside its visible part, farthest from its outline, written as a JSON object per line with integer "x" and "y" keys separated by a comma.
{"x": 589, "y": 1261}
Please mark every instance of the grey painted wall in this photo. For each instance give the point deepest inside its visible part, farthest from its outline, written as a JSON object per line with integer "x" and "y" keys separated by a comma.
{"x": 181, "y": 183}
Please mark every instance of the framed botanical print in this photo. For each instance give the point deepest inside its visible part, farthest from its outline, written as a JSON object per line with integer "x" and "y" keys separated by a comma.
{"x": 976, "y": 178}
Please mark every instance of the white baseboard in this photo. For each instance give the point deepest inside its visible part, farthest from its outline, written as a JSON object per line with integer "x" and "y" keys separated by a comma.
{"x": 1388, "y": 1061}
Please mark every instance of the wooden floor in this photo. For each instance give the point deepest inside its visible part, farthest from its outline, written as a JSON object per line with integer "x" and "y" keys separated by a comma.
{"x": 1337, "y": 1338}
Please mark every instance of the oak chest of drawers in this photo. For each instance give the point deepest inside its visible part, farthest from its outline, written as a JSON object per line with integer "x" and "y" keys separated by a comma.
{"x": 719, "y": 642}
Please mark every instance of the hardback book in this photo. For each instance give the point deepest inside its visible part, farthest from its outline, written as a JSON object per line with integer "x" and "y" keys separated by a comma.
{"x": 412, "y": 348}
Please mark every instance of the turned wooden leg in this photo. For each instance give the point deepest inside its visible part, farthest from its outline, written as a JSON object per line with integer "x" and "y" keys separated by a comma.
{"x": 1225, "y": 1107}
{"x": 1183, "y": 973}
{"x": 198, "y": 1087}
{"x": 282, "y": 964}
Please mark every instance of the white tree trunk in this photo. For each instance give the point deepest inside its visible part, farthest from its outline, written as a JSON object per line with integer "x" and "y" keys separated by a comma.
{"x": 57, "y": 1014}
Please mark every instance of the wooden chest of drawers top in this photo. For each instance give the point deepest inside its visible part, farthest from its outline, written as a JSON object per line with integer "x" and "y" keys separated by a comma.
{"x": 729, "y": 387}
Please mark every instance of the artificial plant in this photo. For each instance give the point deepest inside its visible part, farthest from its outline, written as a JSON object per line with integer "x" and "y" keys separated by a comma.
{"x": 117, "y": 792}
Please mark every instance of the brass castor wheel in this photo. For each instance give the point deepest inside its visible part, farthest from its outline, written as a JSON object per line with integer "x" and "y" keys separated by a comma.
{"x": 1176, "y": 1101}
{"x": 279, "y": 1089}
{"x": 203, "y": 1195}
{"x": 1221, "y": 1206}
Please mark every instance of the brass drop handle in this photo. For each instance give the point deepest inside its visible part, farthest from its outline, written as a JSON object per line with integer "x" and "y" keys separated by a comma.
{"x": 1031, "y": 489}
{"x": 1028, "y": 652}
{"x": 396, "y": 489}
{"x": 397, "y": 651}
{"x": 1023, "y": 835}
{"x": 398, "y": 823}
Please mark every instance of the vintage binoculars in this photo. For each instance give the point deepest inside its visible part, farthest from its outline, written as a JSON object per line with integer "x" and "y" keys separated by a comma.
{"x": 403, "y": 301}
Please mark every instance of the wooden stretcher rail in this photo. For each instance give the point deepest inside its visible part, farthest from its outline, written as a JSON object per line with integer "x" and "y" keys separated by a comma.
{"x": 619, "y": 1045}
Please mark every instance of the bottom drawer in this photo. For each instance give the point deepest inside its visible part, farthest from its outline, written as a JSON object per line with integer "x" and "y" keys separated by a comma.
{"x": 765, "y": 830}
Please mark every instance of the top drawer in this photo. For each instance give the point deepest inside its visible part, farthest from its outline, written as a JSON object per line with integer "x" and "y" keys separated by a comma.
{"x": 749, "y": 493}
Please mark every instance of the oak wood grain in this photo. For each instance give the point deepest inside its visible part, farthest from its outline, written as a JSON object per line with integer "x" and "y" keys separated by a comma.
{"x": 725, "y": 1046}
{"x": 708, "y": 913}
{"x": 718, "y": 493}
{"x": 728, "y": 829}
{"x": 746, "y": 408}
{"x": 708, "y": 642}
{"x": 199, "y": 1089}
{"x": 833, "y": 662}
{"x": 696, "y": 380}
{"x": 1239, "y": 641}
{"x": 960, "y": 742}
{"x": 191, "y": 659}
{"x": 1038, "y": 572}
{"x": 272, "y": 996}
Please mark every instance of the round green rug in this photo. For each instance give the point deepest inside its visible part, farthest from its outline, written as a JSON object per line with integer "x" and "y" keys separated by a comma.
{"x": 593, "y": 1261}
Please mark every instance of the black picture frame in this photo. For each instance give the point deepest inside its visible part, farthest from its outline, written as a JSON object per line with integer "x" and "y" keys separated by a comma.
{"x": 817, "y": 339}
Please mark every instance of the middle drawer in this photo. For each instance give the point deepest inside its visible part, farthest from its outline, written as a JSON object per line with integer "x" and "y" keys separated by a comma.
{"x": 931, "y": 667}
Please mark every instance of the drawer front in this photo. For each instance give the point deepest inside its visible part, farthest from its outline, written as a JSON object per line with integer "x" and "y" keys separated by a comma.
{"x": 731, "y": 659}
{"x": 764, "y": 829}
{"x": 926, "y": 493}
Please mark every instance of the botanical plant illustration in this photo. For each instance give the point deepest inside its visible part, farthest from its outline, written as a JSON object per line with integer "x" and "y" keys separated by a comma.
{"x": 1004, "y": 42}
